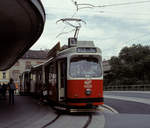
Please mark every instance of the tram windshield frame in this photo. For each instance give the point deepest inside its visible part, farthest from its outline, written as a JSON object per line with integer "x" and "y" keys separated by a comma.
{"x": 85, "y": 67}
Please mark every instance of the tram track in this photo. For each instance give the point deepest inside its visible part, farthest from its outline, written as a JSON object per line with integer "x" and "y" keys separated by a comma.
{"x": 51, "y": 122}
{"x": 88, "y": 121}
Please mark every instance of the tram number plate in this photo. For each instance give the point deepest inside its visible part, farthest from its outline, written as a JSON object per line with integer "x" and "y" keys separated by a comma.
{"x": 88, "y": 84}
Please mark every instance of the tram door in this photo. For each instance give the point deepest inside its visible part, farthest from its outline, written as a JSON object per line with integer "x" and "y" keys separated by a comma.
{"x": 62, "y": 78}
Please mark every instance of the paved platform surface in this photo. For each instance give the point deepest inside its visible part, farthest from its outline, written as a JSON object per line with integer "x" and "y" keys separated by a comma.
{"x": 30, "y": 113}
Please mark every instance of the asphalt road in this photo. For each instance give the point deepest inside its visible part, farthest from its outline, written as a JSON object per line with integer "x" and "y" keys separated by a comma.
{"x": 128, "y": 107}
{"x": 132, "y": 114}
{"x": 30, "y": 113}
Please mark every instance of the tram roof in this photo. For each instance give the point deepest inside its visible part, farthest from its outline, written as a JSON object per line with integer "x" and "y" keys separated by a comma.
{"x": 39, "y": 66}
{"x": 80, "y": 44}
{"x": 66, "y": 51}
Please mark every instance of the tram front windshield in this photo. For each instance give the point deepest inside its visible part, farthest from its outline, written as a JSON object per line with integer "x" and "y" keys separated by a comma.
{"x": 85, "y": 67}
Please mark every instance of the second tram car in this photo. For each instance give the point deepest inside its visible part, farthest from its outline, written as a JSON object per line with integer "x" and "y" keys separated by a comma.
{"x": 72, "y": 78}
{"x": 24, "y": 88}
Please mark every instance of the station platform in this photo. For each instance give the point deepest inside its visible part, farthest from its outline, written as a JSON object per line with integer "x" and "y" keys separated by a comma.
{"x": 28, "y": 112}
{"x": 25, "y": 112}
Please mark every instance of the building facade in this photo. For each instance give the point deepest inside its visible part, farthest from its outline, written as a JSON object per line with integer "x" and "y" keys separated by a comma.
{"x": 30, "y": 58}
{"x": 4, "y": 77}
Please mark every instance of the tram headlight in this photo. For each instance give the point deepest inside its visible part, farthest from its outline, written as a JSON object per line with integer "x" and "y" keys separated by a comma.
{"x": 88, "y": 91}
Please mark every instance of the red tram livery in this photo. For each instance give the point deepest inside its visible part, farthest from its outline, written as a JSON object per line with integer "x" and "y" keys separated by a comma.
{"x": 71, "y": 78}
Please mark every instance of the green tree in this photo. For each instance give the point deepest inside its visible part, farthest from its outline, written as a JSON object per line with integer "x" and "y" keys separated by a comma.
{"x": 132, "y": 66}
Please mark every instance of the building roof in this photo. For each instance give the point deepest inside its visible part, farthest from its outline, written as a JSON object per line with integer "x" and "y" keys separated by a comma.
{"x": 35, "y": 54}
{"x": 106, "y": 66}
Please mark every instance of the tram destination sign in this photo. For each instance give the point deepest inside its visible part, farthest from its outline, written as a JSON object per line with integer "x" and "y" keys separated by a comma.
{"x": 86, "y": 50}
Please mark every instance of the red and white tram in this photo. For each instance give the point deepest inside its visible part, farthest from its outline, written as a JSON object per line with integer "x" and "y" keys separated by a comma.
{"x": 72, "y": 77}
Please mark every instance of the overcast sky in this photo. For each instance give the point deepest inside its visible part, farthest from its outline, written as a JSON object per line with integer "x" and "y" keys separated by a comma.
{"x": 110, "y": 27}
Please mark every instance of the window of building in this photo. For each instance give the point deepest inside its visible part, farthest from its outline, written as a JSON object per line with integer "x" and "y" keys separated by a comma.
{"x": 15, "y": 75}
{"x": 4, "y": 75}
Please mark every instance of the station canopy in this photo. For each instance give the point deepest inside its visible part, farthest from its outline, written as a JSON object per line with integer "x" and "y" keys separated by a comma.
{"x": 21, "y": 24}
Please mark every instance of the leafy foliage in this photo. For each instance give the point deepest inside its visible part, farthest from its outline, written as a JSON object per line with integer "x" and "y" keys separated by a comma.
{"x": 132, "y": 66}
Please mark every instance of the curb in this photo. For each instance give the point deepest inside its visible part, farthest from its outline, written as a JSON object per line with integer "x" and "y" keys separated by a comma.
{"x": 110, "y": 108}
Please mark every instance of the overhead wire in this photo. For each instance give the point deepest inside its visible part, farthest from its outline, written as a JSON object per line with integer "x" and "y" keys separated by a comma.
{"x": 80, "y": 6}
{"x": 127, "y": 3}
{"x": 87, "y": 5}
{"x": 65, "y": 32}
{"x": 132, "y": 41}
{"x": 91, "y": 6}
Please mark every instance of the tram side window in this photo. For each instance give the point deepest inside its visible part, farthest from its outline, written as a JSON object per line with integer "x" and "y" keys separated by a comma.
{"x": 39, "y": 76}
{"x": 46, "y": 75}
{"x": 52, "y": 74}
{"x": 33, "y": 77}
{"x": 63, "y": 73}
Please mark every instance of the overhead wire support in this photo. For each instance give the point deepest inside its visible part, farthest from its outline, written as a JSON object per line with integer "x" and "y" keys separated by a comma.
{"x": 83, "y": 4}
{"x": 127, "y": 3}
{"x": 71, "y": 19}
{"x": 76, "y": 27}
{"x": 91, "y": 6}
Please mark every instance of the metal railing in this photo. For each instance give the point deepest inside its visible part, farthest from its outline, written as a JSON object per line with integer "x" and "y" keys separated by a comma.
{"x": 144, "y": 87}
